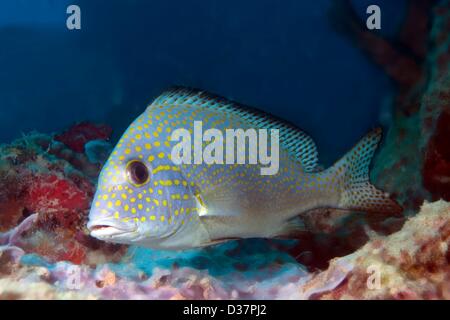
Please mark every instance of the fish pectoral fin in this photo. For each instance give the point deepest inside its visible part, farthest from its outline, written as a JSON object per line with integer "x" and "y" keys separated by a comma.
{"x": 221, "y": 203}
{"x": 220, "y": 228}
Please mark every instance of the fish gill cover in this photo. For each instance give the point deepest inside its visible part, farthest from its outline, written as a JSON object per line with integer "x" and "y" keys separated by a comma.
{"x": 68, "y": 95}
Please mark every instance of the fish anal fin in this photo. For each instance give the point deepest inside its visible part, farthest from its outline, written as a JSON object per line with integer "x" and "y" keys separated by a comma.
{"x": 292, "y": 229}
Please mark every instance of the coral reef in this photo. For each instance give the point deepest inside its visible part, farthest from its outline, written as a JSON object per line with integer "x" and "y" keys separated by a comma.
{"x": 82, "y": 133}
{"x": 10, "y": 250}
{"x": 412, "y": 264}
{"x": 39, "y": 174}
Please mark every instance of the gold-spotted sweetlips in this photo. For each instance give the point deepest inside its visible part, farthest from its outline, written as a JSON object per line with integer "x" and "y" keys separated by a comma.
{"x": 146, "y": 199}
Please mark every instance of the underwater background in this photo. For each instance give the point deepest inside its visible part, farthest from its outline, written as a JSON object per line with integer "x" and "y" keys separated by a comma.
{"x": 66, "y": 96}
{"x": 286, "y": 58}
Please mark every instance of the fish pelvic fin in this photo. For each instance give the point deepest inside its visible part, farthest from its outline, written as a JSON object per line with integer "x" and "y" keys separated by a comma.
{"x": 357, "y": 193}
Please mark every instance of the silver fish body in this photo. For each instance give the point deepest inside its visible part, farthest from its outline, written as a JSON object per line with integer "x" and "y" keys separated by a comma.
{"x": 144, "y": 198}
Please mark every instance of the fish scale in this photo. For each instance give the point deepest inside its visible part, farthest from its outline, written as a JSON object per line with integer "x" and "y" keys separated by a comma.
{"x": 182, "y": 206}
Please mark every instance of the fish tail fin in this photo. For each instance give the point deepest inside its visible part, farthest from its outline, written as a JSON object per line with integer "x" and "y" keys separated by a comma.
{"x": 352, "y": 171}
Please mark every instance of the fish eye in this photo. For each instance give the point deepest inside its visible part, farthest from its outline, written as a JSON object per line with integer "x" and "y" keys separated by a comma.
{"x": 137, "y": 173}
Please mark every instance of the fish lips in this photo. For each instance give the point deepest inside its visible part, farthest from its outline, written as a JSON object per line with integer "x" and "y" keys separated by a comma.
{"x": 105, "y": 229}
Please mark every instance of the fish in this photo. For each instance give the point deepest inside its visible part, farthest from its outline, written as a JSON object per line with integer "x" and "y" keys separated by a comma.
{"x": 145, "y": 198}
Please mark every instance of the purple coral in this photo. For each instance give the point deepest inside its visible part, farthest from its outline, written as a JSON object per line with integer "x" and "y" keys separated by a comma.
{"x": 10, "y": 241}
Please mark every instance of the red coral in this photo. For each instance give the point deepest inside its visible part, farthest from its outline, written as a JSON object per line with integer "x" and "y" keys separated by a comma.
{"x": 58, "y": 183}
{"x": 80, "y": 134}
{"x": 49, "y": 192}
{"x": 75, "y": 253}
{"x": 11, "y": 213}
{"x": 436, "y": 169}
{"x": 61, "y": 202}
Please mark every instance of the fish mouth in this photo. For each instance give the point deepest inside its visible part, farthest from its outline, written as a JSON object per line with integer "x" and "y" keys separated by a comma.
{"x": 105, "y": 230}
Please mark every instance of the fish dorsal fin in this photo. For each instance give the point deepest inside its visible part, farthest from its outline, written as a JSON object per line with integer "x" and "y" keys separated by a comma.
{"x": 295, "y": 141}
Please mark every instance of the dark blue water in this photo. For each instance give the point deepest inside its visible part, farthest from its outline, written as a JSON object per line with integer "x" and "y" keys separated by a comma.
{"x": 281, "y": 56}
